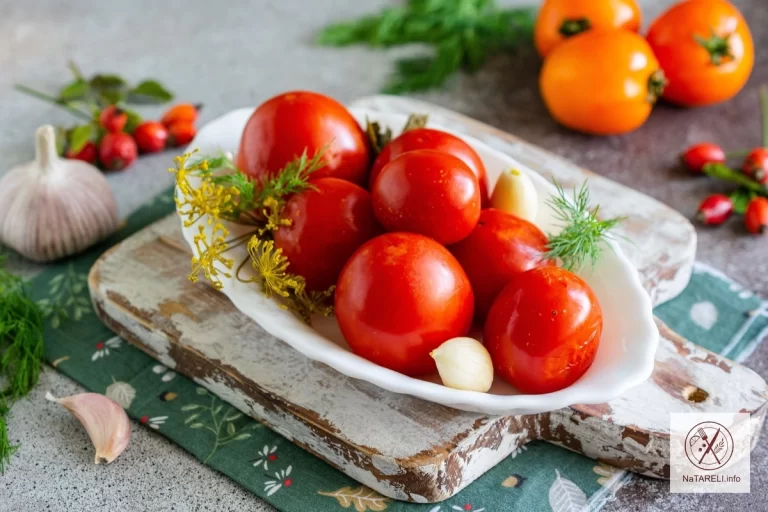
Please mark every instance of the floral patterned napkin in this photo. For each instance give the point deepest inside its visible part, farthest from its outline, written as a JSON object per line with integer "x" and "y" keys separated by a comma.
{"x": 713, "y": 311}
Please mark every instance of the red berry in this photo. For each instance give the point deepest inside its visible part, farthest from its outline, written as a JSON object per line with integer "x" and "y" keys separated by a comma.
{"x": 150, "y": 136}
{"x": 756, "y": 216}
{"x": 117, "y": 151}
{"x": 715, "y": 209}
{"x": 87, "y": 153}
{"x": 181, "y": 113}
{"x": 756, "y": 165}
{"x": 144, "y": 419}
{"x": 181, "y": 133}
{"x": 288, "y": 482}
{"x": 696, "y": 157}
{"x": 113, "y": 119}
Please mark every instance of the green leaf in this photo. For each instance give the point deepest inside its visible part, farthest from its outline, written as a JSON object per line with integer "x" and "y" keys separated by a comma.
{"x": 79, "y": 136}
{"x": 134, "y": 120}
{"x": 190, "y": 407}
{"x": 76, "y": 90}
{"x": 217, "y": 409}
{"x": 201, "y": 391}
{"x": 242, "y": 436}
{"x": 110, "y": 89}
{"x": 196, "y": 425}
{"x": 231, "y": 428}
{"x": 149, "y": 91}
{"x": 233, "y": 417}
{"x": 191, "y": 418}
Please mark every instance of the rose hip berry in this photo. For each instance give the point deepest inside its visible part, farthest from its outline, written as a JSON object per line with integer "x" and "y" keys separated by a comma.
{"x": 714, "y": 210}
{"x": 181, "y": 133}
{"x": 117, "y": 151}
{"x": 756, "y": 216}
{"x": 113, "y": 119}
{"x": 87, "y": 153}
{"x": 150, "y": 136}
{"x": 697, "y": 156}
{"x": 181, "y": 113}
{"x": 756, "y": 165}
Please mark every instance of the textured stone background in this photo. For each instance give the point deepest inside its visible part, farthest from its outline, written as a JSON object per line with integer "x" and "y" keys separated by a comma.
{"x": 237, "y": 53}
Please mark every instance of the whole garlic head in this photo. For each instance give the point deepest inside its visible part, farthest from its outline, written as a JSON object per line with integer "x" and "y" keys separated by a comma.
{"x": 464, "y": 363}
{"x": 51, "y": 208}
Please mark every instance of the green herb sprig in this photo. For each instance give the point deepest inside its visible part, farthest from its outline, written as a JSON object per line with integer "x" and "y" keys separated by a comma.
{"x": 462, "y": 34}
{"x": 21, "y": 350}
{"x": 580, "y": 241}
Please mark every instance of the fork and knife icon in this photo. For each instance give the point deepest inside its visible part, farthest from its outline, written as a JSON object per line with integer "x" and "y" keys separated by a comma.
{"x": 710, "y": 444}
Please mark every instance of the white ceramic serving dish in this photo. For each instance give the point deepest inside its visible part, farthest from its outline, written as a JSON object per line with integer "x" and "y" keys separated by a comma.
{"x": 625, "y": 357}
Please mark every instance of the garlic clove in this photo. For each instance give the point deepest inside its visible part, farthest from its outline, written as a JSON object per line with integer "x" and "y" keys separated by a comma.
{"x": 464, "y": 363}
{"x": 104, "y": 420}
{"x": 53, "y": 207}
{"x": 514, "y": 193}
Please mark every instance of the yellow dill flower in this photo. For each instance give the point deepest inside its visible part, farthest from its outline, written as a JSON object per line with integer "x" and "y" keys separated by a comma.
{"x": 210, "y": 199}
{"x": 272, "y": 210}
{"x": 272, "y": 267}
{"x": 210, "y": 254}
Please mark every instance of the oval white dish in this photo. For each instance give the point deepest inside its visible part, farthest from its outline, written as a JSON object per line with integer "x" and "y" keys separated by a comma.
{"x": 627, "y": 348}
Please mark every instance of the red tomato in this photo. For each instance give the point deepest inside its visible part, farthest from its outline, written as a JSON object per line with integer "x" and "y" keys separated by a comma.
{"x": 427, "y": 138}
{"x": 281, "y": 128}
{"x": 543, "y": 330}
{"x": 430, "y": 193}
{"x": 150, "y": 136}
{"x": 328, "y": 224}
{"x": 399, "y": 297}
{"x": 501, "y": 246}
{"x": 699, "y": 155}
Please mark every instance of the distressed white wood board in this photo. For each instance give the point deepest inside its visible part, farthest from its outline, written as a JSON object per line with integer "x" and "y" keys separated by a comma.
{"x": 657, "y": 239}
{"x": 400, "y": 446}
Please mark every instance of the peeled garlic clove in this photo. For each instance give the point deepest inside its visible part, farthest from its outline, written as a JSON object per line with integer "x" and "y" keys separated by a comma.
{"x": 104, "y": 420}
{"x": 514, "y": 193}
{"x": 464, "y": 363}
{"x": 54, "y": 207}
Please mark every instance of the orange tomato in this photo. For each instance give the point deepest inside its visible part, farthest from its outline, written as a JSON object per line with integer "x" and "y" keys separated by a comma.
{"x": 561, "y": 19}
{"x": 601, "y": 82}
{"x": 706, "y": 50}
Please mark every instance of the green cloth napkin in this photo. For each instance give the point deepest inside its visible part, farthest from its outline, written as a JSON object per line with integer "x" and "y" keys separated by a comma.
{"x": 713, "y": 311}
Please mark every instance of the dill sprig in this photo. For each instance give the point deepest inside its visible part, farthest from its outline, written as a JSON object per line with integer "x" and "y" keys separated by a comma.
{"x": 21, "y": 350}
{"x": 462, "y": 34}
{"x": 580, "y": 241}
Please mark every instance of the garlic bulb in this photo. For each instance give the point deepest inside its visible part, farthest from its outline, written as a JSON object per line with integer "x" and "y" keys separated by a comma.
{"x": 52, "y": 207}
{"x": 464, "y": 363}
{"x": 514, "y": 193}
{"x": 104, "y": 420}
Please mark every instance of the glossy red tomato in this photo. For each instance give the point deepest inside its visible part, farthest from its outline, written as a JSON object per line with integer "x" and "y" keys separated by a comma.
{"x": 427, "y": 192}
{"x": 281, "y": 128}
{"x": 543, "y": 330}
{"x": 427, "y": 138}
{"x": 400, "y": 296}
{"x": 501, "y": 246}
{"x": 328, "y": 224}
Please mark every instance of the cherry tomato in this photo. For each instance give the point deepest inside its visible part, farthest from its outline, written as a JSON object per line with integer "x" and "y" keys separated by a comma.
{"x": 113, "y": 119}
{"x": 602, "y": 82}
{"x": 88, "y": 153}
{"x": 400, "y": 296}
{"x": 501, "y": 246}
{"x": 181, "y": 112}
{"x": 705, "y": 49}
{"x": 117, "y": 151}
{"x": 150, "y": 136}
{"x": 430, "y": 193}
{"x": 281, "y": 128}
{"x": 181, "y": 133}
{"x": 561, "y": 19}
{"x": 756, "y": 165}
{"x": 756, "y": 216}
{"x": 715, "y": 209}
{"x": 543, "y": 330}
{"x": 328, "y": 224}
{"x": 427, "y": 138}
{"x": 699, "y": 155}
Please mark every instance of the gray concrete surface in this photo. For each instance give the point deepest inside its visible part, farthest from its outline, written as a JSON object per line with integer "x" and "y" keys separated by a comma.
{"x": 230, "y": 54}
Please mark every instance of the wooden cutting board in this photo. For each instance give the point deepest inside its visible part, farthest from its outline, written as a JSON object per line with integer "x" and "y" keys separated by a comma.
{"x": 140, "y": 290}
